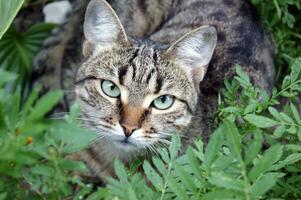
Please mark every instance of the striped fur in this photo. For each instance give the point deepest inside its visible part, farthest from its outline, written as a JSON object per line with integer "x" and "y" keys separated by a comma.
{"x": 142, "y": 53}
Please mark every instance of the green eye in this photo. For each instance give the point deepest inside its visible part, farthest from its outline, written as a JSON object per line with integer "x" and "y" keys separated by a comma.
{"x": 110, "y": 89}
{"x": 163, "y": 102}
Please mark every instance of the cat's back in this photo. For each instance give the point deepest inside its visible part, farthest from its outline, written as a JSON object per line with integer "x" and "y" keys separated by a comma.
{"x": 241, "y": 38}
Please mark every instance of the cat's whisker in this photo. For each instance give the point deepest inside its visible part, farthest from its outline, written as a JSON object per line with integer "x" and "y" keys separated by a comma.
{"x": 60, "y": 113}
{"x": 57, "y": 118}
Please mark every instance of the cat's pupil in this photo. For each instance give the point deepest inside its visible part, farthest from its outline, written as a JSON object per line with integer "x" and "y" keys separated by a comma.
{"x": 112, "y": 87}
{"x": 163, "y": 99}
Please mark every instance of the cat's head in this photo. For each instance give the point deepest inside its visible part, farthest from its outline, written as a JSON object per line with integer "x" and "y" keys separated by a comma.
{"x": 135, "y": 94}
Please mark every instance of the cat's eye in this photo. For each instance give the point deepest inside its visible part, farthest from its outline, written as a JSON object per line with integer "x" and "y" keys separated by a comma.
{"x": 163, "y": 102}
{"x": 110, "y": 89}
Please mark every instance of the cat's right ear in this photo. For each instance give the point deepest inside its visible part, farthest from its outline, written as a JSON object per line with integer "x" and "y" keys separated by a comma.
{"x": 102, "y": 28}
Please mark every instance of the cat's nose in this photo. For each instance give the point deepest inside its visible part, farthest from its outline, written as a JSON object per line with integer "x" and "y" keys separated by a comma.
{"x": 128, "y": 129}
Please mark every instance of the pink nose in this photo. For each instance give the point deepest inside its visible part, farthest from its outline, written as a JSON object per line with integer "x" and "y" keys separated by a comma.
{"x": 128, "y": 129}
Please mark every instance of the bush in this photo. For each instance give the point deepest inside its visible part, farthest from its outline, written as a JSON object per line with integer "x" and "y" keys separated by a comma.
{"x": 254, "y": 153}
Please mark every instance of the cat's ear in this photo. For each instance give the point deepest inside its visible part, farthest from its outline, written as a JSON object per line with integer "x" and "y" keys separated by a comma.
{"x": 194, "y": 51}
{"x": 102, "y": 28}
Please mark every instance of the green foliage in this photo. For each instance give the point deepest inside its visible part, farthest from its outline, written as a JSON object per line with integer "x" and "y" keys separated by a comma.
{"x": 253, "y": 154}
{"x": 17, "y": 50}
{"x": 33, "y": 148}
{"x": 283, "y": 19}
{"x": 247, "y": 157}
{"x": 8, "y": 11}
{"x": 234, "y": 169}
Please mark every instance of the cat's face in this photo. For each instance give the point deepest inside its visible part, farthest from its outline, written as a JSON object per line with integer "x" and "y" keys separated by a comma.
{"x": 136, "y": 96}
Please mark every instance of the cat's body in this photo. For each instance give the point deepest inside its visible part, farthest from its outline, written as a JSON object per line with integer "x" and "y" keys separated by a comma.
{"x": 144, "y": 63}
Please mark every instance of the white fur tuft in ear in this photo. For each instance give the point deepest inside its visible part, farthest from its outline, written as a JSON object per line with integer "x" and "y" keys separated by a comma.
{"x": 102, "y": 27}
{"x": 194, "y": 51}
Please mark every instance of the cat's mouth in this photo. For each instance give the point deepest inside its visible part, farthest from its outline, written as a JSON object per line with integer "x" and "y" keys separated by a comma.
{"x": 125, "y": 141}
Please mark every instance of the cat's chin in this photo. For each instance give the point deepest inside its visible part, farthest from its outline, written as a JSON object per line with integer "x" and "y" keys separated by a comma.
{"x": 125, "y": 144}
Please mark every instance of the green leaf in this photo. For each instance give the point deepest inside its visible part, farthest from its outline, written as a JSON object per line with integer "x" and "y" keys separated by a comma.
{"x": 264, "y": 183}
{"x": 271, "y": 156}
{"x": 275, "y": 113}
{"x": 120, "y": 171}
{"x": 295, "y": 112}
{"x": 175, "y": 146}
{"x": 152, "y": 175}
{"x": 6, "y": 77}
{"x": 8, "y": 11}
{"x": 223, "y": 180}
{"x": 33, "y": 96}
{"x": 101, "y": 193}
{"x": 213, "y": 147}
{"x": 186, "y": 178}
{"x": 220, "y": 195}
{"x": 260, "y": 121}
{"x": 295, "y": 69}
{"x": 74, "y": 137}
{"x": 176, "y": 188}
{"x": 45, "y": 104}
{"x": 279, "y": 131}
{"x": 234, "y": 138}
{"x": 243, "y": 78}
{"x": 286, "y": 118}
{"x": 73, "y": 165}
{"x": 193, "y": 162}
{"x": 131, "y": 193}
{"x": 17, "y": 50}
{"x": 254, "y": 148}
{"x": 293, "y": 158}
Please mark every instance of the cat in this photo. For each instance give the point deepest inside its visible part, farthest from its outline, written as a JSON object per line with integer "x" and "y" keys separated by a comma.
{"x": 155, "y": 67}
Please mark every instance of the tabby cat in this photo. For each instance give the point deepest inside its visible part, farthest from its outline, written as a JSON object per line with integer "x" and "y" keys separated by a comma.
{"x": 155, "y": 67}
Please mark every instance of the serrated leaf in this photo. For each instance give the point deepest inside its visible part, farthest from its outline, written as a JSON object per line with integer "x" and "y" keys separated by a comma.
{"x": 250, "y": 108}
{"x": 286, "y": 118}
{"x": 176, "y": 188}
{"x": 254, "y": 148}
{"x": 271, "y": 156}
{"x": 295, "y": 69}
{"x": 152, "y": 175}
{"x": 264, "y": 183}
{"x": 292, "y": 130}
{"x": 295, "y": 157}
{"x": 159, "y": 165}
{"x": 279, "y": 131}
{"x": 223, "y": 180}
{"x": 175, "y": 146}
{"x": 74, "y": 137}
{"x": 260, "y": 121}
{"x": 193, "y": 162}
{"x": 101, "y": 193}
{"x": 286, "y": 81}
{"x": 213, "y": 146}
{"x": 185, "y": 178}
{"x": 275, "y": 113}
{"x": 234, "y": 138}
{"x": 120, "y": 171}
{"x": 220, "y": 195}
{"x": 295, "y": 112}
{"x": 131, "y": 193}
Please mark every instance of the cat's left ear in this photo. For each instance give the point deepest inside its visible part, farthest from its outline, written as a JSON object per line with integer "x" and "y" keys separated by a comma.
{"x": 102, "y": 28}
{"x": 194, "y": 51}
